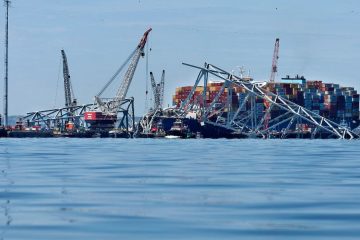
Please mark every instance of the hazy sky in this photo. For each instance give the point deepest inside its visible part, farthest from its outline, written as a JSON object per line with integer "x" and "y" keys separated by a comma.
{"x": 318, "y": 39}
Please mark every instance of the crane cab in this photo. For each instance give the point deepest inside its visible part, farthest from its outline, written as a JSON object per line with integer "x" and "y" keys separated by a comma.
{"x": 99, "y": 120}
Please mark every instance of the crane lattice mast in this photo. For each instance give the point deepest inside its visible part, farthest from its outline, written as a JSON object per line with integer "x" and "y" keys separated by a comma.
{"x": 275, "y": 61}
{"x": 112, "y": 106}
{"x": 158, "y": 90}
{"x": 125, "y": 84}
{"x": 154, "y": 88}
{"x": 69, "y": 93}
{"x": 161, "y": 91}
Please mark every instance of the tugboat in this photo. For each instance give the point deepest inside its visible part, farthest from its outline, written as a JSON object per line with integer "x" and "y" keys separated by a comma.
{"x": 179, "y": 130}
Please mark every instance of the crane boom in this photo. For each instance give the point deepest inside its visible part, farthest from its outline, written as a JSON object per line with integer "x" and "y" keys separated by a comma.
{"x": 104, "y": 114}
{"x": 275, "y": 61}
{"x": 111, "y": 107}
{"x": 155, "y": 89}
{"x": 69, "y": 94}
{"x": 162, "y": 85}
{"x": 158, "y": 90}
{"x": 125, "y": 84}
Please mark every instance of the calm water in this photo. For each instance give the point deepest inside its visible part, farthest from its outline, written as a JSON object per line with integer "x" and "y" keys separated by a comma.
{"x": 179, "y": 189}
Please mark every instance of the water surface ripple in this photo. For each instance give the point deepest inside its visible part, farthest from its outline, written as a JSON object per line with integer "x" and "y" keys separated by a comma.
{"x": 179, "y": 189}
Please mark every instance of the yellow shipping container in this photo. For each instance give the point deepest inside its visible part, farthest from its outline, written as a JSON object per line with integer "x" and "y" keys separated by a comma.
{"x": 199, "y": 88}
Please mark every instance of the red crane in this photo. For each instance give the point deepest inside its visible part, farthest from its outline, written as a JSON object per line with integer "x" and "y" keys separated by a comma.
{"x": 275, "y": 61}
{"x": 104, "y": 114}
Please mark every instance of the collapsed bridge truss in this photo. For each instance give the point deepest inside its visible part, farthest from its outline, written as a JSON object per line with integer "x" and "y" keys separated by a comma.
{"x": 58, "y": 117}
{"x": 280, "y": 118}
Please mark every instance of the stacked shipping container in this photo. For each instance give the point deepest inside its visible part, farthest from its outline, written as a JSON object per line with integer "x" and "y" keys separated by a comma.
{"x": 212, "y": 90}
{"x": 327, "y": 99}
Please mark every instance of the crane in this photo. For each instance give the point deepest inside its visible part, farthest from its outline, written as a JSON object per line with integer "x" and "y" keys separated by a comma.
{"x": 111, "y": 107}
{"x": 275, "y": 60}
{"x": 158, "y": 90}
{"x": 70, "y": 100}
{"x": 104, "y": 113}
{"x": 162, "y": 86}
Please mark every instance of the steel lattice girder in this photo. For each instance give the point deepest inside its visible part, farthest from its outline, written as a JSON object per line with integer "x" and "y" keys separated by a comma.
{"x": 291, "y": 111}
{"x": 51, "y": 116}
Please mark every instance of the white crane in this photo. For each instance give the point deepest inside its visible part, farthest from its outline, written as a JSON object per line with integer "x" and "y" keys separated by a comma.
{"x": 111, "y": 106}
{"x": 106, "y": 109}
{"x": 158, "y": 90}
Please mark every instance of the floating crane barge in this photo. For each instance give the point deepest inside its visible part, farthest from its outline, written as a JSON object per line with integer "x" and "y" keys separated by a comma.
{"x": 106, "y": 117}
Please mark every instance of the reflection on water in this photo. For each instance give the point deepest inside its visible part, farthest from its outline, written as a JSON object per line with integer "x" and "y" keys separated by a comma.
{"x": 181, "y": 189}
{"x": 64, "y": 197}
{"x": 5, "y": 199}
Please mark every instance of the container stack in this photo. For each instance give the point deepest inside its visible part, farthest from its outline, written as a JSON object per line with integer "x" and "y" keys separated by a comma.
{"x": 181, "y": 94}
{"x": 339, "y": 104}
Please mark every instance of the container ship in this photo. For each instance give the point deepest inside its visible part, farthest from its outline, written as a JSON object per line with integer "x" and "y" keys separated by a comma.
{"x": 338, "y": 103}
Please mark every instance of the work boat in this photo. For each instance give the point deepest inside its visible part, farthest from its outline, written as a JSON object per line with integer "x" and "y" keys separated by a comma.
{"x": 178, "y": 130}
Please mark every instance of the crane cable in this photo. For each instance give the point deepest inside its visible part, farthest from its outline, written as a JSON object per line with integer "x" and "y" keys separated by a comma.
{"x": 117, "y": 72}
